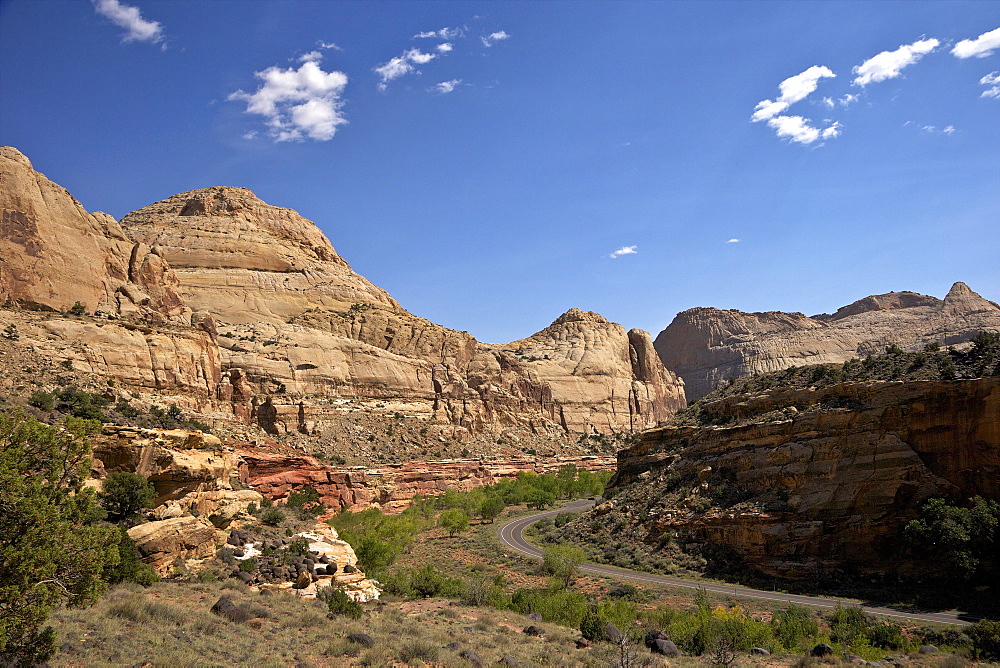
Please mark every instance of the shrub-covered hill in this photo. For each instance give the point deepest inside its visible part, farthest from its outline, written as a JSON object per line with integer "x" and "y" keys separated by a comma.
{"x": 977, "y": 358}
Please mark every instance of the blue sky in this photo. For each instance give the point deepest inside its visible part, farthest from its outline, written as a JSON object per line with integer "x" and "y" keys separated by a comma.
{"x": 753, "y": 155}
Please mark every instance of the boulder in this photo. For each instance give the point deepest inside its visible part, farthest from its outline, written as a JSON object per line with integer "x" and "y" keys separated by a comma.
{"x": 821, "y": 650}
{"x": 613, "y": 633}
{"x": 362, "y": 639}
{"x": 472, "y": 658}
{"x": 653, "y": 636}
{"x": 532, "y": 631}
{"x": 665, "y": 647}
{"x": 225, "y": 608}
{"x": 163, "y": 542}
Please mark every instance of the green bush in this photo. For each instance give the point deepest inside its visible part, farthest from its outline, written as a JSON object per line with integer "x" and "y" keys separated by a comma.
{"x": 454, "y": 520}
{"x": 125, "y": 495}
{"x": 985, "y": 636}
{"x": 427, "y": 581}
{"x": 849, "y": 625}
{"x": 45, "y": 401}
{"x": 272, "y": 517}
{"x": 563, "y": 562}
{"x": 306, "y": 498}
{"x": 130, "y": 567}
{"x": 339, "y": 603}
{"x": 792, "y": 626}
{"x": 886, "y": 636}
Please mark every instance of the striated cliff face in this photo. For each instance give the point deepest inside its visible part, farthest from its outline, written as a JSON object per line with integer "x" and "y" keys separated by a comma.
{"x": 828, "y": 490}
{"x": 290, "y": 312}
{"x": 707, "y": 346}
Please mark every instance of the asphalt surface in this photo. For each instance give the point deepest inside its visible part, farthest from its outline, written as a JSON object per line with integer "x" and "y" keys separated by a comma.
{"x": 511, "y": 534}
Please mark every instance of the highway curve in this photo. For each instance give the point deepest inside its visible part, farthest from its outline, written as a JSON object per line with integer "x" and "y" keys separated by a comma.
{"x": 511, "y": 535}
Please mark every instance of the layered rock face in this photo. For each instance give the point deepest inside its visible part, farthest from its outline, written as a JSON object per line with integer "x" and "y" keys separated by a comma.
{"x": 390, "y": 487}
{"x": 827, "y": 491}
{"x": 291, "y": 313}
{"x": 707, "y": 346}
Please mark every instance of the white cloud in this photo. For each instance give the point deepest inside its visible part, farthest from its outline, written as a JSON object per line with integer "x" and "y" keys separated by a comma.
{"x": 733, "y": 241}
{"x": 993, "y": 81}
{"x": 328, "y": 45}
{"x": 493, "y": 38}
{"x": 799, "y": 130}
{"x": 138, "y": 29}
{"x": 443, "y": 33}
{"x": 447, "y": 86}
{"x": 889, "y": 64}
{"x": 624, "y": 250}
{"x": 298, "y": 103}
{"x": 949, "y": 129}
{"x": 981, "y": 47}
{"x": 311, "y": 56}
{"x": 828, "y": 102}
{"x": 402, "y": 65}
{"x": 793, "y": 89}
{"x": 847, "y": 99}
{"x": 444, "y": 48}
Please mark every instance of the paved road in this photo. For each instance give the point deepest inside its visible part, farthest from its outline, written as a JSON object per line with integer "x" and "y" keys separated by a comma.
{"x": 511, "y": 534}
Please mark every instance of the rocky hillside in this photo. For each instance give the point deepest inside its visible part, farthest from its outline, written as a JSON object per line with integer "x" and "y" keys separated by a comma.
{"x": 707, "y": 347}
{"x": 242, "y": 311}
{"x": 808, "y": 480}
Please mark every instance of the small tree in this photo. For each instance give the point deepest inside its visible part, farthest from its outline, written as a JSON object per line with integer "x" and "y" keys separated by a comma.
{"x": 491, "y": 507}
{"x": 563, "y": 562}
{"x": 125, "y": 495}
{"x": 51, "y": 549}
{"x": 10, "y": 332}
{"x": 78, "y": 309}
{"x": 454, "y": 520}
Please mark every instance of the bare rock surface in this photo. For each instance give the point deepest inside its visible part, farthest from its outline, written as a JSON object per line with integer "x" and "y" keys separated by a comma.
{"x": 53, "y": 253}
{"x": 708, "y": 346}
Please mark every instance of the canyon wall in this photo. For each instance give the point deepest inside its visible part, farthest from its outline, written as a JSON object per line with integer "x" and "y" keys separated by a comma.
{"x": 828, "y": 490}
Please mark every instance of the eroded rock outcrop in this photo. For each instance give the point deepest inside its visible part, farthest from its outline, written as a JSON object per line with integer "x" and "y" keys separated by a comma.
{"x": 707, "y": 346}
{"x": 391, "y": 487}
{"x": 53, "y": 253}
{"x": 828, "y": 490}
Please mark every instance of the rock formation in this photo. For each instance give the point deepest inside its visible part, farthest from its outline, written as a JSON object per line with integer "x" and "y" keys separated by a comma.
{"x": 828, "y": 490}
{"x": 390, "y": 487}
{"x": 53, "y": 253}
{"x": 292, "y": 314}
{"x": 708, "y": 346}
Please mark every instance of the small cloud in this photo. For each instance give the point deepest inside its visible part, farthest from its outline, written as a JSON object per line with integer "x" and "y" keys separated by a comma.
{"x": 993, "y": 81}
{"x": 799, "y": 130}
{"x": 928, "y": 128}
{"x": 981, "y": 47}
{"x": 443, "y": 33}
{"x": 828, "y": 102}
{"x": 250, "y": 135}
{"x": 401, "y": 65}
{"x": 312, "y": 56}
{"x": 949, "y": 130}
{"x": 328, "y": 45}
{"x": 298, "y": 103}
{"x": 126, "y": 17}
{"x": 733, "y": 241}
{"x": 889, "y": 64}
{"x": 624, "y": 250}
{"x": 493, "y": 38}
{"x": 793, "y": 89}
{"x": 847, "y": 100}
{"x": 446, "y": 86}
{"x": 444, "y": 48}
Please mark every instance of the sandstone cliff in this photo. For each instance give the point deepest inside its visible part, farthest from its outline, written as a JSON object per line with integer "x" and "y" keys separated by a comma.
{"x": 825, "y": 491}
{"x": 291, "y": 314}
{"x": 707, "y": 346}
{"x": 53, "y": 253}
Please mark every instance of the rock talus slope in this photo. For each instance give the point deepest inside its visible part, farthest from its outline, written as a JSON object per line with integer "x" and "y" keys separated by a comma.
{"x": 708, "y": 346}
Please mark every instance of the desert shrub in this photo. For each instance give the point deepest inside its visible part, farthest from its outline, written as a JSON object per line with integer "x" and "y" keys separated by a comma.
{"x": 558, "y": 606}
{"x": 125, "y": 495}
{"x": 792, "y": 626}
{"x": 620, "y": 612}
{"x": 272, "y": 516}
{"x": 42, "y": 400}
{"x": 427, "y": 581}
{"x": 249, "y": 565}
{"x": 139, "y": 609}
{"x": 82, "y": 404}
{"x": 849, "y": 625}
{"x": 306, "y": 498}
{"x": 886, "y": 636}
{"x": 592, "y": 626}
{"x": 418, "y": 649}
{"x": 339, "y": 603}
{"x": 298, "y": 546}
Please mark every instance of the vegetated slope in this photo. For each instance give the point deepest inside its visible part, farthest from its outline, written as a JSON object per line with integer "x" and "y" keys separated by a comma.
{"x": 708, "y": 347}
{"x": 243, "y": 313}
{"x": 817, "y": 476}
